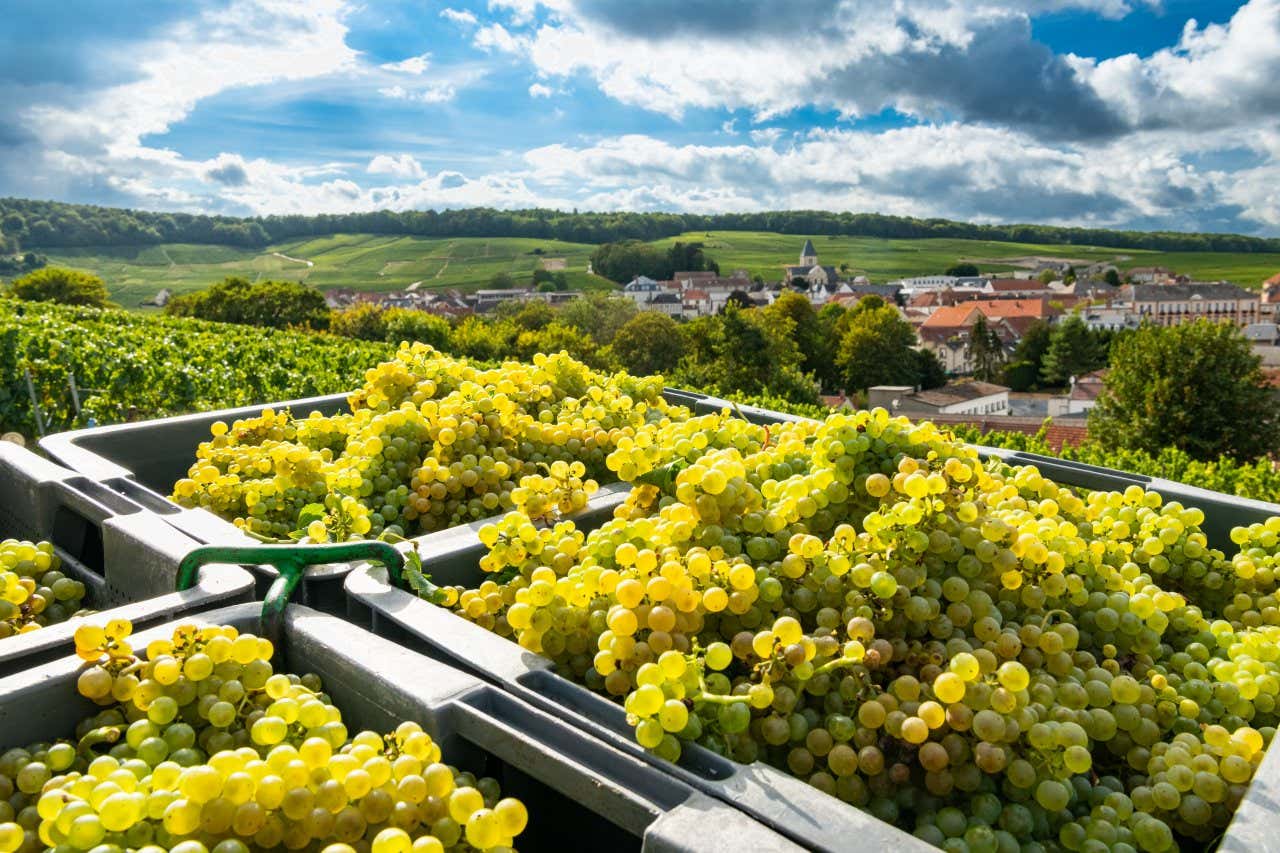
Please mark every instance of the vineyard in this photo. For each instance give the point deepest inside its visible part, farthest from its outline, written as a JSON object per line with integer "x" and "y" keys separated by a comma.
{"x": 131, "y": 367}
{"x": 128, "y": 367}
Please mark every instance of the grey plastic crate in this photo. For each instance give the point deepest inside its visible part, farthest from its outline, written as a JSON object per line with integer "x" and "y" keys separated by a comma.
{"x": 580, "y": 793}
{"x": 807, "y": 816}
{"x": 770, "y": 795}
{"x": 138, "y": 463}
{"x": 127, "y": 558}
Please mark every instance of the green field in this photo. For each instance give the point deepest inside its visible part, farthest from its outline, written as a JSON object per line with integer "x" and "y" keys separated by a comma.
{"x": 764, "y": 253}
{"x": 361, "y": 261}
{"x": 381, "y": 263}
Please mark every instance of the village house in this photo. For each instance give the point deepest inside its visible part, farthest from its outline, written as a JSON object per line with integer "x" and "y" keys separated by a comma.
{"x": 1172, "y": 304}
{"x": 946, "y": 331}
{"x": 954, "y": 398}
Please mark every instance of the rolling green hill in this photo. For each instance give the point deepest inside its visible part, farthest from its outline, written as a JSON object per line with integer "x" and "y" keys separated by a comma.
{"x": 763, "y": 253}
{"x": 383, "y": 263}
{"x": 361, "y": 261}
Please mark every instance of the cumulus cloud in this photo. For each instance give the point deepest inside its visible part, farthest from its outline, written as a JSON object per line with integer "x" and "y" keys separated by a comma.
{"x": 459, "y": 16}
{"x": 396, "y": 166}
{"x": 496, "y": 37}
{"x": 931, "y": 59}
{"x": 538, "y": 90}
{"x": 1217, "y": 75}
{"x": 953, "y": 170}
{"x": 413, "y": 65}
{"x": 86, "y": 142}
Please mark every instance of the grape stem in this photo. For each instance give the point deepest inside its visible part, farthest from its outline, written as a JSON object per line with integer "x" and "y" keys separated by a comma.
{"x": 106, "y": 734}
{"x": 1048, "y": 618}
{"x": 716, "y": 698}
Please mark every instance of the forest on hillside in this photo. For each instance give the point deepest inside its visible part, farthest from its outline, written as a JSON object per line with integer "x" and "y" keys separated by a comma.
{"x": 28, "y": 224}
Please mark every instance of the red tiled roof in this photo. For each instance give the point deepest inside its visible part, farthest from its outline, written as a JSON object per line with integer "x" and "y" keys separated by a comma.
{"x": 1015, "y": 284}
{"x": 1057, "y": 435}
{"x": 952, "y": 316}
{"x": 1008, "y": 309}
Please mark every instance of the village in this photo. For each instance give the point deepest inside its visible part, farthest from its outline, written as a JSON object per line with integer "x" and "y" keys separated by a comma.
{"x": 943, "y": 310}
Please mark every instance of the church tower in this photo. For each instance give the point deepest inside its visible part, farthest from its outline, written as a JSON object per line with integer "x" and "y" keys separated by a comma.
{"x": 808, "y": 255}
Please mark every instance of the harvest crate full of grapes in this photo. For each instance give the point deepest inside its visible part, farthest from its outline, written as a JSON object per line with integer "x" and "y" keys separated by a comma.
{"x": 820, "y": 622}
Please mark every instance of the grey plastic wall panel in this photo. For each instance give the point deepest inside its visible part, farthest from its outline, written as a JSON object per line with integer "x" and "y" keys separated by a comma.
{"x": 127, "y": 562}
{"x": 581, "y": 794}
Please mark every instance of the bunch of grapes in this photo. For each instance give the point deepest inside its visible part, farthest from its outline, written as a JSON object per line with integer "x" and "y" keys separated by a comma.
{"x": 967, "y": 650}
{"x": 201, "y": 746}
{"x": 430, "y": 442}
{"x": 33, "y": 592}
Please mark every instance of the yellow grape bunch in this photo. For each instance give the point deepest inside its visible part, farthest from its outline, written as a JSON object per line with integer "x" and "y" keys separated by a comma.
{"x": 34, "y": 592}
{"x": 430, "y": 442}
{"x": 959, "y": 646}
{"x": 200, "y": 745}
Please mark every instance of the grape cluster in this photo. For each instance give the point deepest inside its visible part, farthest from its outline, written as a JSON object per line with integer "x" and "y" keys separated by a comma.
{"x": 33, "y": 592}
{"x": 430, "y": 442}
{"x": 965, "y": 649}
{"x": 201, "y": 746}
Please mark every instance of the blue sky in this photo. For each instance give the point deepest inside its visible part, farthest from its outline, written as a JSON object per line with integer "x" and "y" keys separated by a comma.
{"x": 1125, "y": 113}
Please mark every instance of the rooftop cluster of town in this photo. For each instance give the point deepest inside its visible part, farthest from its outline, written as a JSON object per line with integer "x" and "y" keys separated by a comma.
{"x": 943, "y": 309}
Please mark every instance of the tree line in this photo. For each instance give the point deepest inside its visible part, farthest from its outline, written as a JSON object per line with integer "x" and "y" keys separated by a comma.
{"x": 46, "y": 224}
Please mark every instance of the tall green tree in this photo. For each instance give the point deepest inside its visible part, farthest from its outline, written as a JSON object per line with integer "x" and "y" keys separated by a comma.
{"x": 878, "y": 348}
{"x": 1074, "y": 350}
{"x": 741, "y": 351}
{"x": 649, "y": 343}
{"x": 929, "y": 370}
{"x": 808, "y": 334}
{"x": 64, "y": 286}
{"x": 986, "y": 352}
{"x": 962, "y": 269}
{"x": 1196, "y": 386}
{"x": 407, "y": 324}
{"x": 600, "y": 314}
{"x": 1022, "y": 373}
{"x": 275, "y": 304}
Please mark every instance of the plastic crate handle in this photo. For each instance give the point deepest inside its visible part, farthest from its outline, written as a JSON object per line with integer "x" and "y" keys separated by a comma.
{"x": 291, "y": 562}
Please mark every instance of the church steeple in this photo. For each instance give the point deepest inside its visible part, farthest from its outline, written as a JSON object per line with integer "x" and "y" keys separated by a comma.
{"x": 808, "y": 255}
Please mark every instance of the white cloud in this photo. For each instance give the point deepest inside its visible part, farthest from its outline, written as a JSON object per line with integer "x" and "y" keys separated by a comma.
{"x": 92, "y": 137}
{"x": 429, "y": 93}
{"x": 459, "y": 16}
{"x": 538, "y": 90}
{"x": 1217, "y": 75}
{"x": 766, "y": 135}
{"x": 397, "y": 166}
{"x": 250, "y": 43}
{"x": 956, "y": 171}
{"x": 933, "y": 59}
{"x": 496, "y": 37}
{"x": 519, "y": 11}
{"x": 413, "y": 65}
